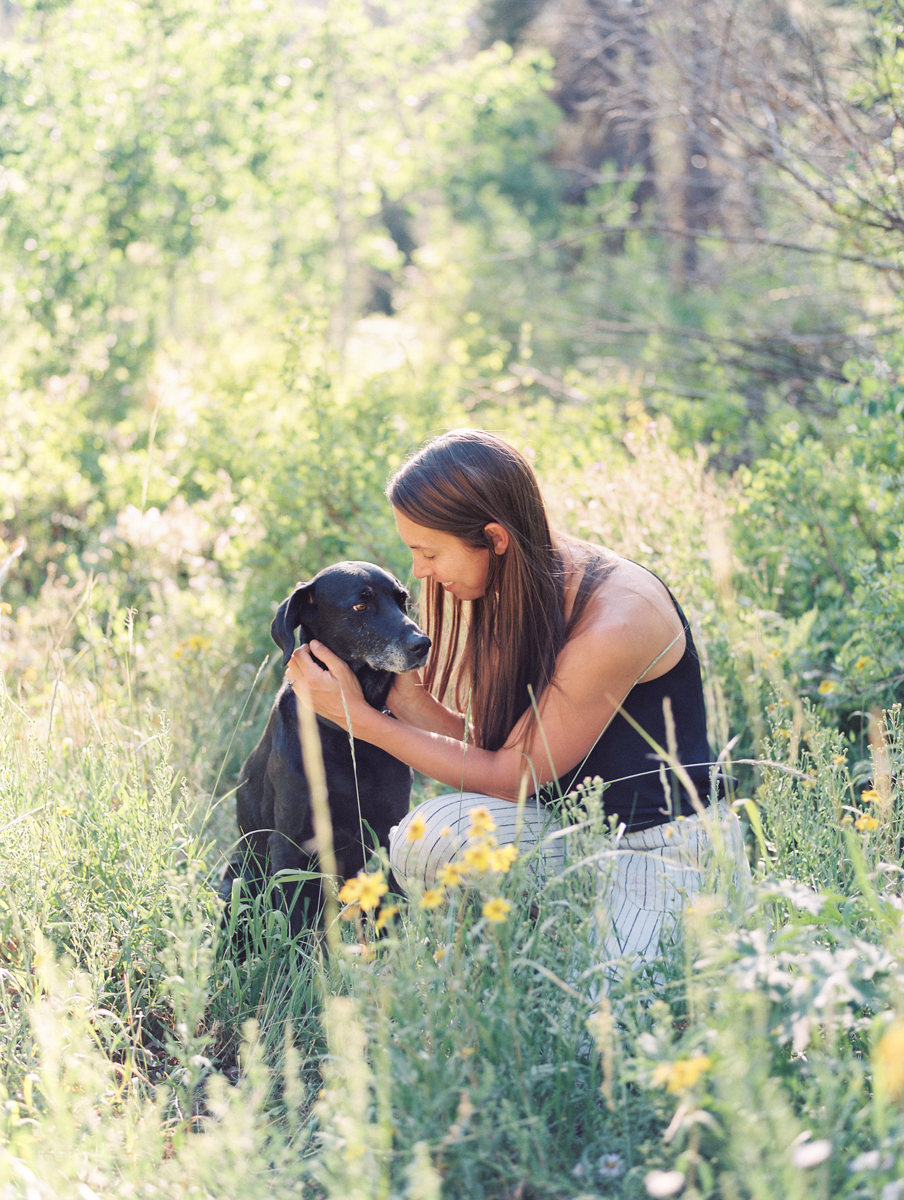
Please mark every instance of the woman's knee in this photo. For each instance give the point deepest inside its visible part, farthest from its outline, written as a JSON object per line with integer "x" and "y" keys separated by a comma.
{"x": 437, "y": 831}
{"x": 430, "y": 836}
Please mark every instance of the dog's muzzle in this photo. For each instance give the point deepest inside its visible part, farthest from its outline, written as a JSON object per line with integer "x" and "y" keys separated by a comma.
{"x": 400, "y": 658}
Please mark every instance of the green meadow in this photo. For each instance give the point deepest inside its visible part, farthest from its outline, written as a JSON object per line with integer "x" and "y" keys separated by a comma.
{"x": 252, "y": 256}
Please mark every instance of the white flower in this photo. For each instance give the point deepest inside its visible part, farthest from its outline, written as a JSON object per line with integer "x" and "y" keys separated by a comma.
{"x": 805, "y": 1153}
{"x": 663, "y": 1183}
{"x": 870, "y": 1160}
{"x": 609, "y": 1166}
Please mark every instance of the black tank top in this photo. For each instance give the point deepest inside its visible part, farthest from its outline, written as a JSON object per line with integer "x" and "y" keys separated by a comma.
{"x": 641, "y": 791}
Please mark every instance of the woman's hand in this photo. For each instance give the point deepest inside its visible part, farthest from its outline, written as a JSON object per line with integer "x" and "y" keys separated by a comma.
{"x": 333, "y": 693}
{"x": 409, "y": 701}
{"x": 405, "y": 695}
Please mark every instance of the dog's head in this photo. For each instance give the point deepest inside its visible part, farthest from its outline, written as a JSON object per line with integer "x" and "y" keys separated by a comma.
{"x": 359, "y": 611}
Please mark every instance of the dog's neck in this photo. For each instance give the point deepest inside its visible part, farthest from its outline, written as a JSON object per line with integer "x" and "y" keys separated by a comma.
{"x": 374, "y": 684}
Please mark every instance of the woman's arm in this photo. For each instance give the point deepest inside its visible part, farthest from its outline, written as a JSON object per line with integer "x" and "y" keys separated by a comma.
{"x": 594, "y": 673}
{"x": 409, "y": 701}
{"x": 336, "y": 695}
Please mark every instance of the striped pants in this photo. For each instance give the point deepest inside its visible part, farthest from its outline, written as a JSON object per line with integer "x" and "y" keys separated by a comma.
{"x": 643, "y": 880}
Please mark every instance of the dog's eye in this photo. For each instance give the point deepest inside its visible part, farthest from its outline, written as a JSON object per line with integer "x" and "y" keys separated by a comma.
{"x": 359, "y": 607}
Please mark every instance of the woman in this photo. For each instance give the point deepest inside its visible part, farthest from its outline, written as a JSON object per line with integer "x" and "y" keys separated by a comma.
{"x": 564, "y": 661}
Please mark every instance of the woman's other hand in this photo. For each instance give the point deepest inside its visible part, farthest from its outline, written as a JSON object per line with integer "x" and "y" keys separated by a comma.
{"x": 409, "y": 701}
{"x": 405, "y": 696}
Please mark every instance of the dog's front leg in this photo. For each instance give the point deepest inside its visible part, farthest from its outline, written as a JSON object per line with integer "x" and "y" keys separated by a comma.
{"x": 299, "y": 891}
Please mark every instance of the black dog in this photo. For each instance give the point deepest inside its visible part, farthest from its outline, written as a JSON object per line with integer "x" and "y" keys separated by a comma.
{"x": 359, "y": 612}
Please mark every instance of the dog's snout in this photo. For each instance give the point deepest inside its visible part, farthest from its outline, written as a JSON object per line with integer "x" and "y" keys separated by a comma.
{"x": 419, "y": 645}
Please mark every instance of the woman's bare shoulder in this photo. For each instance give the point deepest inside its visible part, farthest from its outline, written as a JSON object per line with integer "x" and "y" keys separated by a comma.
{"x": 631, "y": 613}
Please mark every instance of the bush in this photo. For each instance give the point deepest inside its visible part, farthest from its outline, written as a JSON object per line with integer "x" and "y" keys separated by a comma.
{"x": 818, "y": 526}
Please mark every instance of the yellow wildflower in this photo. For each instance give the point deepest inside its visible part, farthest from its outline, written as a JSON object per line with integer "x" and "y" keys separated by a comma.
{"x": 432, "y": 898}
{"x": 661, "y": 1074}
{"x": 496, "y": 910}
{"x": 481, "y": 821}
{"x": 870, "y": 796}
{"x": 888, "y": 1061}
{"x": 452, "y": 874}
{"x": 386, "y": 915}
{"x": 479, "y": 858}
{"x": 838, "y": 760}
{"x": 862, "y": 662}
{"x": 866, "y": 823}
{"x": 416, "y": 829}
{"x": 364, "y": 889}
{"x": 195, "y": 646}
{"x": 827, "y": 687}
{"x": 679, "y": 1076}
{"x": 502, "y": 858}
{"x": 373, "y": 888}
{"x": 350, "y": 891}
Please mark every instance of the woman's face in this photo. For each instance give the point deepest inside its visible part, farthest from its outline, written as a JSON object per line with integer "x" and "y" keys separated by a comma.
{"x": 460, "y": 568}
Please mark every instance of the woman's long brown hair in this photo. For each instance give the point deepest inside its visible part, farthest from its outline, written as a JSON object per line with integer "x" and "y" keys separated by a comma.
{"x": 459, "y": 483}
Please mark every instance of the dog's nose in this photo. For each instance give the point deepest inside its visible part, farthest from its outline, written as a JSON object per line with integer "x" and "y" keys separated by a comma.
{"x": 419, "y": 644}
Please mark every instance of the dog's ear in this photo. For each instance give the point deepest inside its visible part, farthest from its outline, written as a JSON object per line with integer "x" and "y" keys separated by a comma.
{"x": 293, "y": 611}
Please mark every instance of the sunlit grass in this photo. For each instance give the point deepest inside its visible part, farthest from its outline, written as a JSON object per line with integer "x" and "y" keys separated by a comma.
{"x": 470, "y": 1044}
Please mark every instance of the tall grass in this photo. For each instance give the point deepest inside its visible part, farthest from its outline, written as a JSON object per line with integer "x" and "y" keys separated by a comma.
{"x": 465, "y": 1050}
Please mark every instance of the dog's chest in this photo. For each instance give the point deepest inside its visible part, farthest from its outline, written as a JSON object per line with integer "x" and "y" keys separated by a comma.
{"x": 366, "y": 773}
